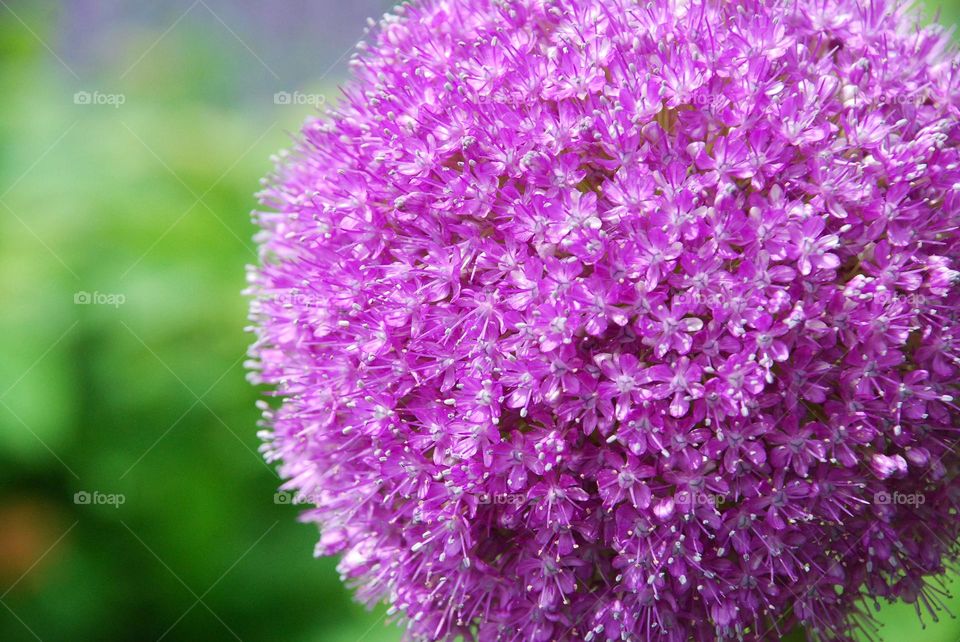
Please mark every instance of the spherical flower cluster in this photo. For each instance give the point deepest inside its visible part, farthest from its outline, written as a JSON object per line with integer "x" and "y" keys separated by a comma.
{"x": 610, "y": 320}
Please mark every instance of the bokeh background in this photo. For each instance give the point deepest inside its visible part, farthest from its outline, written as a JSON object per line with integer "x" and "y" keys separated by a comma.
{"x": 133, "y": 502}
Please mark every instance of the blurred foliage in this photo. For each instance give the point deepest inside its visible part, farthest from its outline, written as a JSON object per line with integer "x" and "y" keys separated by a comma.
{"x": 148, "y": 201}
{"x": 147, "y": 399}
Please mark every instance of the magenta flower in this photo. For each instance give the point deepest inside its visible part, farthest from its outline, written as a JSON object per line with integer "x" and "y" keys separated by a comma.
{"x": 665, "y": 329}
{"x": 603, "y": 320}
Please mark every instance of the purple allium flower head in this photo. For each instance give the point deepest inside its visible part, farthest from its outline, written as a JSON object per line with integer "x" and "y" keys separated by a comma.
{"x": 603, "y": 320}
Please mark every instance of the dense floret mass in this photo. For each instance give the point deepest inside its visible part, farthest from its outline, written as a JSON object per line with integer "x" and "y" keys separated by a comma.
{"x": 607, "y": 320}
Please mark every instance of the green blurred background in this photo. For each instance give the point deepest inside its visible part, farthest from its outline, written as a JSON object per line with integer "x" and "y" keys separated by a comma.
{"x": 132, "y": 137}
